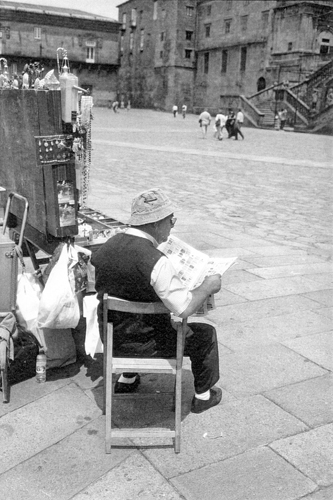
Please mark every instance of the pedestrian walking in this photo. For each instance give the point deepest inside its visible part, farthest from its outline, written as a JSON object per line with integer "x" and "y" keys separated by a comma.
{"x": 184, "y": 109}
{"x": 128, "y": 105}
{"x": 283, "y": 118}
{"x": 230, "y": 124}
{"x": 115, "y": 106}
{"x": 238, "y": 124}
{"x": 220, "y": 121}
{"x": 175, "y": 110}
{"x": 204, "y": 120}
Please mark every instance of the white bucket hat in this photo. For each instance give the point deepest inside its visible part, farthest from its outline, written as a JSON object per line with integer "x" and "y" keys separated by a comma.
{"x": 150, "y": 206}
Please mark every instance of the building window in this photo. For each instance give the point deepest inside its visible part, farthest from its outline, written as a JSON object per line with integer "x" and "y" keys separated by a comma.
{"x": 162, "y": 36}
{"x": 155, "y": 10}
{"x": 90, "y": 54}
{"x": 163, "y": 13}
{"x": 209, "y": 10}
{"x": 264, "y": 19}
{"x": 206, "y": 62}
{"x": 188, "y": 54}
{"x": 131, "y": 41}
{"x": 142, "y": 38}
{"x": 243, "y": 20}
{"x": 37, "y": 33}
{"x": 121, "y": 44}
{"x": 161, "y": 54}
{"x": 133, "y": 17}
{"x": 124, "y": 21}
{"x": 224, "y": 61}
{"x": 188, "y": 35}
{"x": 229, "y": 4}
{"x": 290, "y": 46}
{"x": 189, "y": 11}
{"x": 207, "y": 30}
{"x": 243, "y": 58}
{"x": 227, "y": 25}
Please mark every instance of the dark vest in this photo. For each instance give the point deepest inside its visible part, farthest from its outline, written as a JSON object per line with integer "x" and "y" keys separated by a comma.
{"x": 123, "y": 269}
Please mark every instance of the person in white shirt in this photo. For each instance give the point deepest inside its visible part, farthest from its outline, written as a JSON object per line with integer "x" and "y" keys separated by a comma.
{"x": 220, "y": 121}
{"x": 239, "y": 123}
{"x": 175, "y": 110}
{"x": 130, "y": 266}
{"x": 204, "y": 120}
{"x": 184, "y": 109}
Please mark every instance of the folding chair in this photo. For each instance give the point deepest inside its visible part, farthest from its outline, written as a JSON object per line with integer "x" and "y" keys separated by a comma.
{"x": 113, "y": 364}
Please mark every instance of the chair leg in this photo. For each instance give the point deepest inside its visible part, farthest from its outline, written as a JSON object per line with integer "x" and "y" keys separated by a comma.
{"x": 108, "y": 390}
{"x": 4, "y": 380}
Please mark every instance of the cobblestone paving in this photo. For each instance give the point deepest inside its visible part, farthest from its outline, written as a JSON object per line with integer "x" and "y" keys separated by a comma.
{"x": 273, "y": 185}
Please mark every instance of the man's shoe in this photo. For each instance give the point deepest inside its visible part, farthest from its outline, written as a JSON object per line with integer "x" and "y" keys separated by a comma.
{"x": 199, "y": 405}
{"x": 122, "y": 388}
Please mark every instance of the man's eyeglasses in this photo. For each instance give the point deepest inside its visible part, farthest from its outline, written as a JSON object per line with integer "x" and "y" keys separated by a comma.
{"x": 173, "y": 221}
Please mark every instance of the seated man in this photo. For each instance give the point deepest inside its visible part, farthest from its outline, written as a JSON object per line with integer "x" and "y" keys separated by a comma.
{"x": 129, "y": 266}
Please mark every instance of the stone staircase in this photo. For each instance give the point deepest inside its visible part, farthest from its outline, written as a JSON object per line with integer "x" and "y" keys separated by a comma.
{"x": 298, "y": 102}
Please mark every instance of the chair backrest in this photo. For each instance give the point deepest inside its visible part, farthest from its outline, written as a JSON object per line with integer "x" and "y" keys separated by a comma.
{"x": 115, "y": 304}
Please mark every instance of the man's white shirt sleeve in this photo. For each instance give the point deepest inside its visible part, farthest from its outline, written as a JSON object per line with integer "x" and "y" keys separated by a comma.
{"x": 169, "y": 287}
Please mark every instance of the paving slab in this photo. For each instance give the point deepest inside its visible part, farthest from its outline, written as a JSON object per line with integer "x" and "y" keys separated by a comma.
{"x": 261, "y": 368}
{"x": 242, "y": 335}
{"x": 225, "y": 431}
{"x": 311, "y": 401}
{"x": 132, "y": 478}
{"x": 284, "y": 270}
{"x": 300, "y": 324}
{"x": 324, "y": 297}
{"x": 322, "y": 494}
{"x": 326, "y": 311}
{"x": 316, "y": 348}
{"x": 255, "y": 475}
{"x": 34, "y": 427}
{"x": 27, "y": 391}
{"x": 275, "y": 250}
{"x": 262, "y": 309}
{"x": 286, "y": 260}
{"x": 326, "y": 279}
{"x": 263, "y": 289}
{"x": 311, "y": 453}
{"x": 225, "y": 298}
{"x": 239, "y": 276}
{"x": 65, "y": 467}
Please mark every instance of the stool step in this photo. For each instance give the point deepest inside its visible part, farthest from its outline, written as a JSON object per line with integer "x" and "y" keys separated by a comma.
{"x": 142, "y": 433}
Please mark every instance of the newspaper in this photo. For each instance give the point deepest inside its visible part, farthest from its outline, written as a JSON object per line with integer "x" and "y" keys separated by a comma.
{"x": 193, "y": 266}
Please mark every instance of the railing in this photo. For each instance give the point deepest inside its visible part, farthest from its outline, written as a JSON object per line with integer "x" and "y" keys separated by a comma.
{"x": 323, "y": 119}
{"x": 251, "y": 112}
{"x": 306, "y": 87}
{"x": 301, "y": 109}
{"x": 267, "y": 94}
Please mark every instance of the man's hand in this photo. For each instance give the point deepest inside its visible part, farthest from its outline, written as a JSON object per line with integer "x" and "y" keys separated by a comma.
{"x": 210, "y": 285}
{"x": 213, "y": 283}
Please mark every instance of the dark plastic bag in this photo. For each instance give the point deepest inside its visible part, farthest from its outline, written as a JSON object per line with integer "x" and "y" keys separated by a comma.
{"x": 26, "y": 348}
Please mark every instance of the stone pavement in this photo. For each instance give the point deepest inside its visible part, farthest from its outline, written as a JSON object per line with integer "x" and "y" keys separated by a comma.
{"x": 268, "y": 201}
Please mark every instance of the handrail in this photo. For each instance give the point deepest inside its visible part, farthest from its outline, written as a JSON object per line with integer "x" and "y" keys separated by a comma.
{"x": 254, "y": 114}
{"x": 267, "y": 89}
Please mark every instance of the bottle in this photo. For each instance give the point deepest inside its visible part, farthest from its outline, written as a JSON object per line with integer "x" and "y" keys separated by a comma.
{"x": 69, "y": 94}
{"x": 41, "y": 367}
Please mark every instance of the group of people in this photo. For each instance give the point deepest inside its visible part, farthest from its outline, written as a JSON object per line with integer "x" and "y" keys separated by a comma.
{"x": 115, "y": 106}
{"x": 175, "y": 110}
{"x": 231, "y": 122}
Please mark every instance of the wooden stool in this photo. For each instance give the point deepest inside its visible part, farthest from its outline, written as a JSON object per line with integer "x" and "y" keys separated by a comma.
{"x": 113, "y": 364}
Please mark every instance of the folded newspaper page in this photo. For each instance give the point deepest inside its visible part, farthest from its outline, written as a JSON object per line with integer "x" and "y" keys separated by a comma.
{"x": 193, "y": 266}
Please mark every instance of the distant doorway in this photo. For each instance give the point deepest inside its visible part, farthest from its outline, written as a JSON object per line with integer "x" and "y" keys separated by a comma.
{"x": 261, "y": 84}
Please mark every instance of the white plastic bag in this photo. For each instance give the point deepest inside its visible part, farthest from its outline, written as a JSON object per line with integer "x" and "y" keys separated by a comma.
{"x": 59, "y": 307}
{"x": 28, "y": 296}
{"x": 93, "y": 344}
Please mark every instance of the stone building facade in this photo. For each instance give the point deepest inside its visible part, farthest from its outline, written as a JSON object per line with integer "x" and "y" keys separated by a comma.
{"x": 30, "y": 33}
{"x": 157, "y": 52}
{"x": 207, "y": 53}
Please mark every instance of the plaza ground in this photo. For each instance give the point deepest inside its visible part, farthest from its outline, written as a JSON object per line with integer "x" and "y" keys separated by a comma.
{"x": 266, "y": 200}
